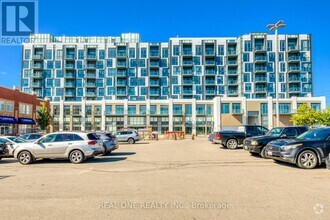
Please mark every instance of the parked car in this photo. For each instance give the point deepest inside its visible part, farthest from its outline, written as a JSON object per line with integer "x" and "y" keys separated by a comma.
{"x": 232, "y": 139}
{"x": 256, "y": 145}
{"x": 76, "y": 146}
{"x": 127, "y": 136}
{"x": 3, "y": 151}
{"x": 12, "y": 143}
{"x": 110, "y": 142}
{"x": 306, "y": 151}
{"x": 31, "y": 137}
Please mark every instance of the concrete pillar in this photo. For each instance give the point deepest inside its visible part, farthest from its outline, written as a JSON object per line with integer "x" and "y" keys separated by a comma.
{"x": 270, "y": 112}
{"x": 170, "y": 114}
{"x": 294, "y": 104}
{"x": 193, "y": 116}
{"x": 244, "y": 111}
{"x": 83, "y": 115}
{"x": 216, "y": 114}
{"x": 148, "y": 103}
{"x": 323, "y": 103}
{"x": 125, "y": 113}
{"x": 61, "y": 121}
{"x": 103, "y": 115}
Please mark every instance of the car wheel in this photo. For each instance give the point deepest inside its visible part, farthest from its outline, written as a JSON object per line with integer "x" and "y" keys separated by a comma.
{"x": 0, "y": 158}
{"x": 76, "y": 156}
{"x": 105, "y": 153}
{"x": 253, "y": 154}
{"x": 131, "y": 141}
{"x": 231, "y": 144}
{"x": 263, "y": 153}
{"x": 25, "y": 157}
{"x": 307, "y": 160}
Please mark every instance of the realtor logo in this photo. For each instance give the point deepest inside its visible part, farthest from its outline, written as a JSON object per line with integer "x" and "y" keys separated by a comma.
{"x": 18, "y": 20}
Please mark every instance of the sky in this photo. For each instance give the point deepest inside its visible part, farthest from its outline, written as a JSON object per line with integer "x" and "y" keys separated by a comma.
{"x": 157, "y": 21}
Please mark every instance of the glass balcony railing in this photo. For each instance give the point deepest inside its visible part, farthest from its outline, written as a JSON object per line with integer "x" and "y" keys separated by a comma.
{"x": 187, "y": 82}
{"x": 121, "y": 64}
{"x": 120, "y": 92}
{"x": 187, "y": 52}
{"x": 232, "y": 92}
{"x": 69, "y": 94}
{"x": 187, "y": 72}
{"x": 121, "y": 54}
{"x": 91, "y": 75}
{"x": 154, "y": 73}
{"x": 154, "y": 54}
{"x": 154, "y": 83}
{"x": 37, "y": 75}
{"x": 294, "y": 89}
{"x": 232, "y": 62}
{"x": 91, "y": 56}
{"x": 232, "y": 72}
{"x": 121, "y": 83}
{"x": 121, "y": 73}
{"x": 260, "y": 69}
{"x": 294, "y": 79}
{"x": 91, "y": 93}
{"x": 209, "y": 52}
{"x": 69, "y": 75}
{"x": 210, "y": 72}
{"x": 209, "y": 92}
{"x": 37, "y": 57}
{"x": 232, "y": 52}
{"x": 292, "y": 47}
{"x": 259, "y": 47}
{"x": 70, "y": 56}
{"x": 261, "y": 58}
{"x": 294, "y": 68}
{"x": 91, "y": 85}
{"x": 69, "y": 85}
{"x": 294, "y": 58}
{"x": 154, "y": 92}
{"x": 232, "y": 82}
{"x": 261, "y": 89}
{"x": 69, "y": 66}
{"x": 36, "y": 84}
{"x": 187, "y": 91}
{"x": 37, "y": 66}
{"x": 210, "y": 82}
{"x": 154, "y": 64}
{"x": 210, "y": 62}
{"x": 187, "y": 62}
{"x": 261, "y": 79}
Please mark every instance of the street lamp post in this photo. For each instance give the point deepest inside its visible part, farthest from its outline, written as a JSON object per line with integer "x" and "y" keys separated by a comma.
{"x": 274, "y": 27}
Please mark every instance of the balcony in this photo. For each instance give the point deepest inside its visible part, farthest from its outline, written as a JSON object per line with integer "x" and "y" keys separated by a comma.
{"x": 121, "y": 54}
{"x": 69, "y": 75}
{"x": 69, "y": 94}
{"x": 69, "y": 85}
{"x": 90, "y": 85}
{"x": 121, "y": 65}
{"x": 232, "y": 53}
{"x": 37, "y": 75}
{"x": 210, "y": 72}
{"x": 260, "y": 79}
{"x": 232, "y": 92}
{"x": 37, "y": 66}
{"x": 153, "y": 83}
{"x": 294, "y": 59}
{"x": 91, "y": 57}
{"x": 232, "y": 82}
{"x": 294, "y": 69}
{"x": 294, "y": 90}
{"x": 70, "y": 57}
{"x": 187, "y": 53}
{"x": 69, "y": 66}
{"x": 154, "y": 73}
{"x": 294, "y": 79}
{"x": 209, "y": 53}
{"x": 187, "y": 63}
{"x": 121, "y": 73}
{"x": 293, "y": 48}
{"x": 259, "y": 49}
{"x": 260, "y": 69}
{"x": 209, "y": 82}
{"x": 121, "y": 83}
{"x": 232, "y": 63}
{"x": 232, "y": 72}
{"x": 154, "y": 54}
{"x": 121, "y": 93}
{"x": 209, "y": 63}
{"x": 260, "y": 59}
{"x": 90, "y": 94}
{"x": 36, "y": 85}
{"x": 154, "y": 92}
{"x": 187, "y": 82}
{"x": 91, "y": 66}
{"x": 260, "y": 89}
{"x": 154, "y": 65}
{"x": 91, "y": 75}
{"x": 237, "y": 111}
{"x": 187, "y": 72}
{"x": 187, "y": 91}
{"x": 38, "y": 57}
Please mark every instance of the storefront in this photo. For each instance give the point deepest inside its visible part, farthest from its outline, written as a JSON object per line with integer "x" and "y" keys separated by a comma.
{"x": 25, "y": 125}
{"x": 7, "y": 125}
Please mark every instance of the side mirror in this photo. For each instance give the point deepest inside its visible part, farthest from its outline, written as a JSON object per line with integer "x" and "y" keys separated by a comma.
{"x": 284, "y": 136}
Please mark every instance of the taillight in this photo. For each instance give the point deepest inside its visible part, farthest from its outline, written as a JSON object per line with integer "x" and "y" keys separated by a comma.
{"x": 219, "y": 136}
{"x": 92, "y": 142}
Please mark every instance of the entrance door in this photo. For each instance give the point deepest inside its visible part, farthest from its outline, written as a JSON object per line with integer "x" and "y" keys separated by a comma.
{"x": 253, "y": 118}
{"x": 2, "y": 130}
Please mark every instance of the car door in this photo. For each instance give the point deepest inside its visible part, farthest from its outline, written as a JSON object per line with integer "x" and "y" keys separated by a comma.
{"x": 61, "y": 144}
{"x": 121, "y": 136}
{"x": 44, "y": 147}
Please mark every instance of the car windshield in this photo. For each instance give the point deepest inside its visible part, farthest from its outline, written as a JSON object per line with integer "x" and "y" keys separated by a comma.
{"x": 276, "y": 132}
{"x": 17, "y": 140}
{"x": 318, "y": 134}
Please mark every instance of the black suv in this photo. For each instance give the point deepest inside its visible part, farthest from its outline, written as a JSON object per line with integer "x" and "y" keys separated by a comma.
{"x": 256, "y": 145}
{"x": 3, "y": 151}
{"x": 306, "y": 151}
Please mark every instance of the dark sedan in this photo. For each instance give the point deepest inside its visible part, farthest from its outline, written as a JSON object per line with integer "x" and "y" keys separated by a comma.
{"x": 306, "y": 151}
{"x": 256, "y": 145}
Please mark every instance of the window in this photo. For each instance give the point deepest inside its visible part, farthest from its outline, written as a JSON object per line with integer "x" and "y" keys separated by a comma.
{"x": 290, "y": 132}
{"x": 119, "y": 109}
{"x": 246, "y": 57}
{"x": 153, "y": 109}
{"x": 143, "y": 110}
{"x": 247, "y": 46}
{"x": 176, "y": 50}
{"x": 48, "y": 139}
{"x": 269, "y": 45}
{"x": 143, "y": 53}
{"x": 132, "y": 109}
{"x": 177, "y": 109}
{"x": 200, "y": 109}
{"x": 225, "y": 108}
{"x": 101, "y": 54}
{"x": 112, "y": 53}
{"x": 2, "y": 106}
{"x": 316, "y": 106}
{"x": 248, "y": 67}
{"x": 280, "y": 57}
{"x": 27, "y": 54}
{"x": 284, "y": 108}
{"x": 9, "y": 107}
{"x": 58, "y": 54}
{"x": 164, "y": 110}
{"x": 81, "y": 54}
{"x": 305, "y": 45}
{"x": 174, "y": 61}
{"x": 165, "y": 52}
{"x": 132, "y": 52}
{"x": 248, "y": 87}
{"x": 221, "y": 50}
{"x": 199, "y": 50}
{"x": 48, "y": 55}
{"x": 236, "y": 108}
{"x": 282, "y": 45}
{"x": 108, "y": 109}
{"x": 264, "y": 108}
{"x": 247, "y": 77}
{"x": 282, "y": 67}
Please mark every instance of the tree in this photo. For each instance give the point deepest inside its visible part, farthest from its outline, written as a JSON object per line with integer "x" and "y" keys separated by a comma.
{"x": 305, "y": 116}
{"x": 43, "y": 117}
{"x": 324, "y": 117}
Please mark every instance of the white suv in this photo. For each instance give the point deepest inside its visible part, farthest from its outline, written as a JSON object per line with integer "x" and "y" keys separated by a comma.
{"x": 76, "y": 146}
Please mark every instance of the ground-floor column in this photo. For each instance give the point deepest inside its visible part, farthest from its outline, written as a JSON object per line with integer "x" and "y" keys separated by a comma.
{"x": 83, "y": 115}
{"x": 270, "y": 112}
{"x": 125, "y": 113}
{"x": 170, "y": 114}
{"x": 103, "y": 115}
{"x": 60, "y": 120}
{"x": 193, "y": 117}
{"x": 244, "y": 111}
{"x": 148, "y": 103}
{"x": 216, "y": 114}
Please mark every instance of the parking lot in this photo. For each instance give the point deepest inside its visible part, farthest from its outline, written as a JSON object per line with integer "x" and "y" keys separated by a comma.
{"x": 186, "y": 179}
